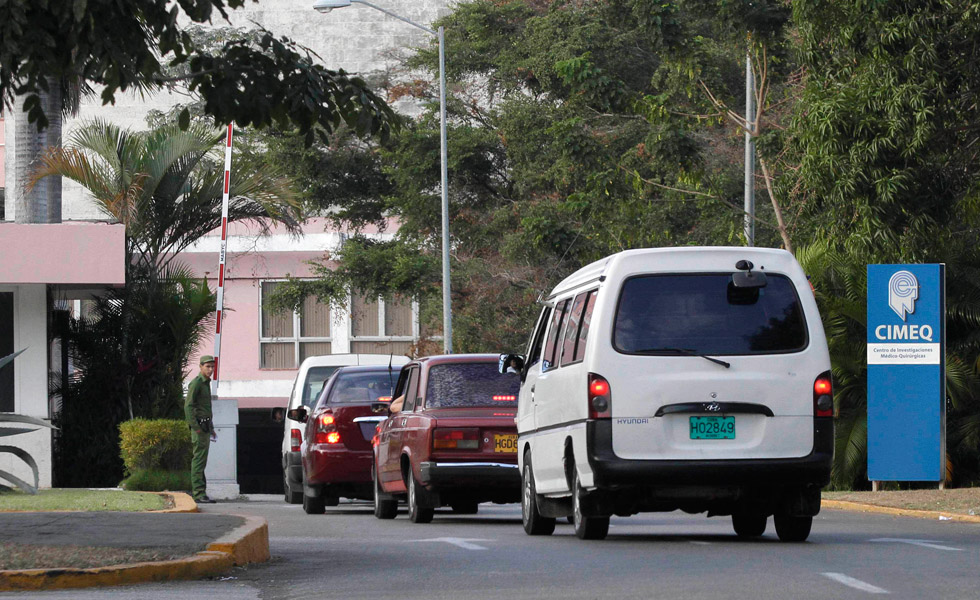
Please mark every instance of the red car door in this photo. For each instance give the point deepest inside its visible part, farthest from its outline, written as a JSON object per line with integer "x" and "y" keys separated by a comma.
{"x": 394, "y": 435}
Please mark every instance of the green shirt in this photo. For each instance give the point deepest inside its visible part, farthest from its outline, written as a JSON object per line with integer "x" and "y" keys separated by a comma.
{"x": 198, "y": 402}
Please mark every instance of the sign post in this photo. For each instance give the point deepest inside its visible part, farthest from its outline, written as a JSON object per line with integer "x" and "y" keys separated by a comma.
{"x": 907, "y": 373}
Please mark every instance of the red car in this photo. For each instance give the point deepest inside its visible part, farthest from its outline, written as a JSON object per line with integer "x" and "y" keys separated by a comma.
{"x": 454, "y": 443}
{"x": 336, "y": 450}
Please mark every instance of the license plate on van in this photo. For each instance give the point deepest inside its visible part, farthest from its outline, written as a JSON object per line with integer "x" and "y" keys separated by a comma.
{"x": 712, "y": 428}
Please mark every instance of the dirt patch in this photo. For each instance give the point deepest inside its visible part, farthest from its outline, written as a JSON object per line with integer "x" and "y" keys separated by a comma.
{"x": 32, "y": 556}
{"x": 965, "y": 501}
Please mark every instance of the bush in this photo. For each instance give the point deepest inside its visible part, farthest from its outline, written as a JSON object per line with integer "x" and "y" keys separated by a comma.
{"x": 155, "y": 480}
{"x": 155, "y": 445}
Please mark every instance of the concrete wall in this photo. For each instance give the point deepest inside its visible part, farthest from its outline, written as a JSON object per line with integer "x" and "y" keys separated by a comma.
{"x": 30, "y": 380}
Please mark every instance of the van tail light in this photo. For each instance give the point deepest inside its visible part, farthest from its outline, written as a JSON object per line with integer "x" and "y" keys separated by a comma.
{"x": 600, "y": 397}
{"x": 456, "y": 439}
{"x": 823, "y": 396}
{"x": 326, "y": 430}
{"x": 295, "y": 439}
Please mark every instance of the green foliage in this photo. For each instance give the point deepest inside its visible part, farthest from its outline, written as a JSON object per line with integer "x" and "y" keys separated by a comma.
{"x": 147, "y": 444}
{"x": 118, "y": 45}
{"x": 154, "y": 480}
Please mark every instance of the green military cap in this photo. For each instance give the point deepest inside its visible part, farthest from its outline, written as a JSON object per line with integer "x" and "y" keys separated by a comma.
{"x": 207, "y": 358}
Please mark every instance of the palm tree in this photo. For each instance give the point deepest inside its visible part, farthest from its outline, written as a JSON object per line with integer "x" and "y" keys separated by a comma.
{"x": 165, "y": 185}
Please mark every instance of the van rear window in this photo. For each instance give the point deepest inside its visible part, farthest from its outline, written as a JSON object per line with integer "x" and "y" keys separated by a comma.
{"x": 706, "y": 314}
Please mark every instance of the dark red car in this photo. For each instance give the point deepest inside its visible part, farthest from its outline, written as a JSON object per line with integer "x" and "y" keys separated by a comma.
{"x": 454, "y": 443}
{"x": 336, "y": 449}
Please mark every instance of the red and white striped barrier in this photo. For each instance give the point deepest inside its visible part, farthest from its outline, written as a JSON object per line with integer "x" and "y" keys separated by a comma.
{"x": 221, "y": 258}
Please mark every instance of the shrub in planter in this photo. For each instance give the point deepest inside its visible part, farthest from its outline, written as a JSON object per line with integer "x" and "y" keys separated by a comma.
{"x": 156, "y": 454}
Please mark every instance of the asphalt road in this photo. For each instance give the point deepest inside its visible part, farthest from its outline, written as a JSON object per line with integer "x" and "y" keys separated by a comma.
{"x": 349, "y": 554}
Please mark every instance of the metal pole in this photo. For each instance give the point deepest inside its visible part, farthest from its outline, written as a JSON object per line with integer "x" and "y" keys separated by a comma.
{"x": 447, "y": 310}
{"x": 221, "y": 260}
{"x": 749, "y": 226}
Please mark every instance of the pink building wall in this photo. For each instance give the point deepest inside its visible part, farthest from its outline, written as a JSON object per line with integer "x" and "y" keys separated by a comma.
{"x": 63, "y": 253}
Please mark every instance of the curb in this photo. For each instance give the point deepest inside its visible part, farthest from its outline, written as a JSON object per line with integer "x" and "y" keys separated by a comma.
{"x": 247, "y": 543}
{"x": 898, "y": 512}
{"x": 183, "y": 503}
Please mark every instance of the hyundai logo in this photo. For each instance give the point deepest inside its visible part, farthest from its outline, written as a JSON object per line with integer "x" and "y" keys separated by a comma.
{"x": 712, "y": 407}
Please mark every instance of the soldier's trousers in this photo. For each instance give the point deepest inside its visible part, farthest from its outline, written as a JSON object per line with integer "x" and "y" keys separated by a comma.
{"x": 200, "y": 443}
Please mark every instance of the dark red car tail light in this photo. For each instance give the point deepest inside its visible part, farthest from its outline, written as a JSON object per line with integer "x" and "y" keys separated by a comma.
{"x": 456, "y": 439}
{"x": 326, "y": 430}
{"x": 600, "y": 397}
{"x": 823, "y": 395}
{"x": 295, "y": 440}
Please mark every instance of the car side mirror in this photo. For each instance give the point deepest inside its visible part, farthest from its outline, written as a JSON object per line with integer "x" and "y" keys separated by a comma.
{"x": 298, "y": 414}
{"x": 278, "y": 414}
{"x": 511, "y": 363}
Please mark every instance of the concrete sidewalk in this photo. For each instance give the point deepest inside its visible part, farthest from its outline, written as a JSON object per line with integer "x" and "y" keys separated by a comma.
{"x": 209, "y": 543}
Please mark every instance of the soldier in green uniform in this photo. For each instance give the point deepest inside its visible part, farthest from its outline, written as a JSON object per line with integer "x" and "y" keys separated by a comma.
{"x": 197, "y": 411}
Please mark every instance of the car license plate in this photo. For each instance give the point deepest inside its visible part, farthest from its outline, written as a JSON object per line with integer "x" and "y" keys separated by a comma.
{"x": 712, "y": 428}
{"x": 504, "y": 443}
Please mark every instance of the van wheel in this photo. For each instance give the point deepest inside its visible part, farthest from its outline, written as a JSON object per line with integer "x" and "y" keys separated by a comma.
{"x": 385, "y": 507}
{"x": 586, "y": 528}
{"x": 313, "y": 505}
{"x": 289, "y": 495}
{"x": 792, "y": 529}
{"x": 534, "y": 522}
{"x": 749, "y": 525}
{"x": 416, "y": 512}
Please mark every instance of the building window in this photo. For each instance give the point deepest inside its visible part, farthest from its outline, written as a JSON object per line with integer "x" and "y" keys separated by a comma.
{"x": 6, "y": 349}
{"x": 286, "y": 339}
{"x": 382, "y": 325}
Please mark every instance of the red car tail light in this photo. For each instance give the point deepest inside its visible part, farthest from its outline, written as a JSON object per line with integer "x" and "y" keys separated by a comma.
{"x": 456, "y": 439}
{"x": 295, "y": 439}
{"x": 600, "y": 397}
{"x": 823, "y": 395}
{"x": 326, "y": 430}
{"x": 504, "y": 398}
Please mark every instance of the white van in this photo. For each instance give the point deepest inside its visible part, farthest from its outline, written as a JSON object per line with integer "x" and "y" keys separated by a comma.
{"x": 690, "y": 378}
{"x": 312, "y": 374}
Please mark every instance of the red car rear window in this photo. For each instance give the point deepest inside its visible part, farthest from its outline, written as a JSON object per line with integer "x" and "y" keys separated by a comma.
{"x": 471, "y": 384}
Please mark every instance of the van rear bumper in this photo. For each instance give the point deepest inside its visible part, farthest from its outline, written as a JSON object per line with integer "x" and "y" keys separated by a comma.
{"x": 611, "y": 471}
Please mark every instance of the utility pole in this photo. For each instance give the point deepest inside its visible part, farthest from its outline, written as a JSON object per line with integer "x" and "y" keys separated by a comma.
{"x": 749, "y": 226}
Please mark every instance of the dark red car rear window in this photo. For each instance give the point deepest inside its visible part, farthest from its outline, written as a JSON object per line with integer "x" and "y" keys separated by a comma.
{"x": 470, "y": 384}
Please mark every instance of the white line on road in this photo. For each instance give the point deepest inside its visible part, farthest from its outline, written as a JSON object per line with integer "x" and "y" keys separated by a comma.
{"x": 855, "y": 583}
{"x": 460, "y": 542}
{"x": 924, "y": 543}
{"x": 699, "y": 543}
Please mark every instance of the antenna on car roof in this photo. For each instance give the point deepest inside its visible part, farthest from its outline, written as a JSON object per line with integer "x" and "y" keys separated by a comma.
{"x": 391, "y": 384}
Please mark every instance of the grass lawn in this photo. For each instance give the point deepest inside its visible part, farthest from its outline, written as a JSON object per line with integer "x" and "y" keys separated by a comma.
{"x": 30, "y": 556}
{"x": 78, "y": 499}
{"x": 964, "y": 501}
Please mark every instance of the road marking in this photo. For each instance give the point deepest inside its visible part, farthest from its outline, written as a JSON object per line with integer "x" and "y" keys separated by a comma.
{"x": 924, "y": 543}
{"x": 699, "y": 543}
{"x": 855, "y": 583}
{"x": 460, "y": 542}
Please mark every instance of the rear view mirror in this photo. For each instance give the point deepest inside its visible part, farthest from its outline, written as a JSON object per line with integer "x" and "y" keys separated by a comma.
{"x": 298, "y": 414}
{"x": 278, "y": 414}
{"x": 510, "y": 363}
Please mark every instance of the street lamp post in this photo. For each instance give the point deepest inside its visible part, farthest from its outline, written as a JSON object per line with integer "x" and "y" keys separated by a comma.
{"x": 325, "y": 6}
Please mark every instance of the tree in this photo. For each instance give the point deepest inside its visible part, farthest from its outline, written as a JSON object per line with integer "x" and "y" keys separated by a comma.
{"x": 118, "y": 45}
{"x": 886, "y": 132}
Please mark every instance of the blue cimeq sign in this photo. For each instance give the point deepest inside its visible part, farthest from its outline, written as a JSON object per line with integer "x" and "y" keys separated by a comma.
{"x": 906, "y": 372}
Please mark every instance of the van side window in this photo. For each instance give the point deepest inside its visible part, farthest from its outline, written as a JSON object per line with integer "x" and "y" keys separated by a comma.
{"x": 586, "y": 322}
{"x": 570, "y": 339}
{"x": 537, "y": 337}
{"x": 411, "y": 390}
{"x": 551, "y": 346}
